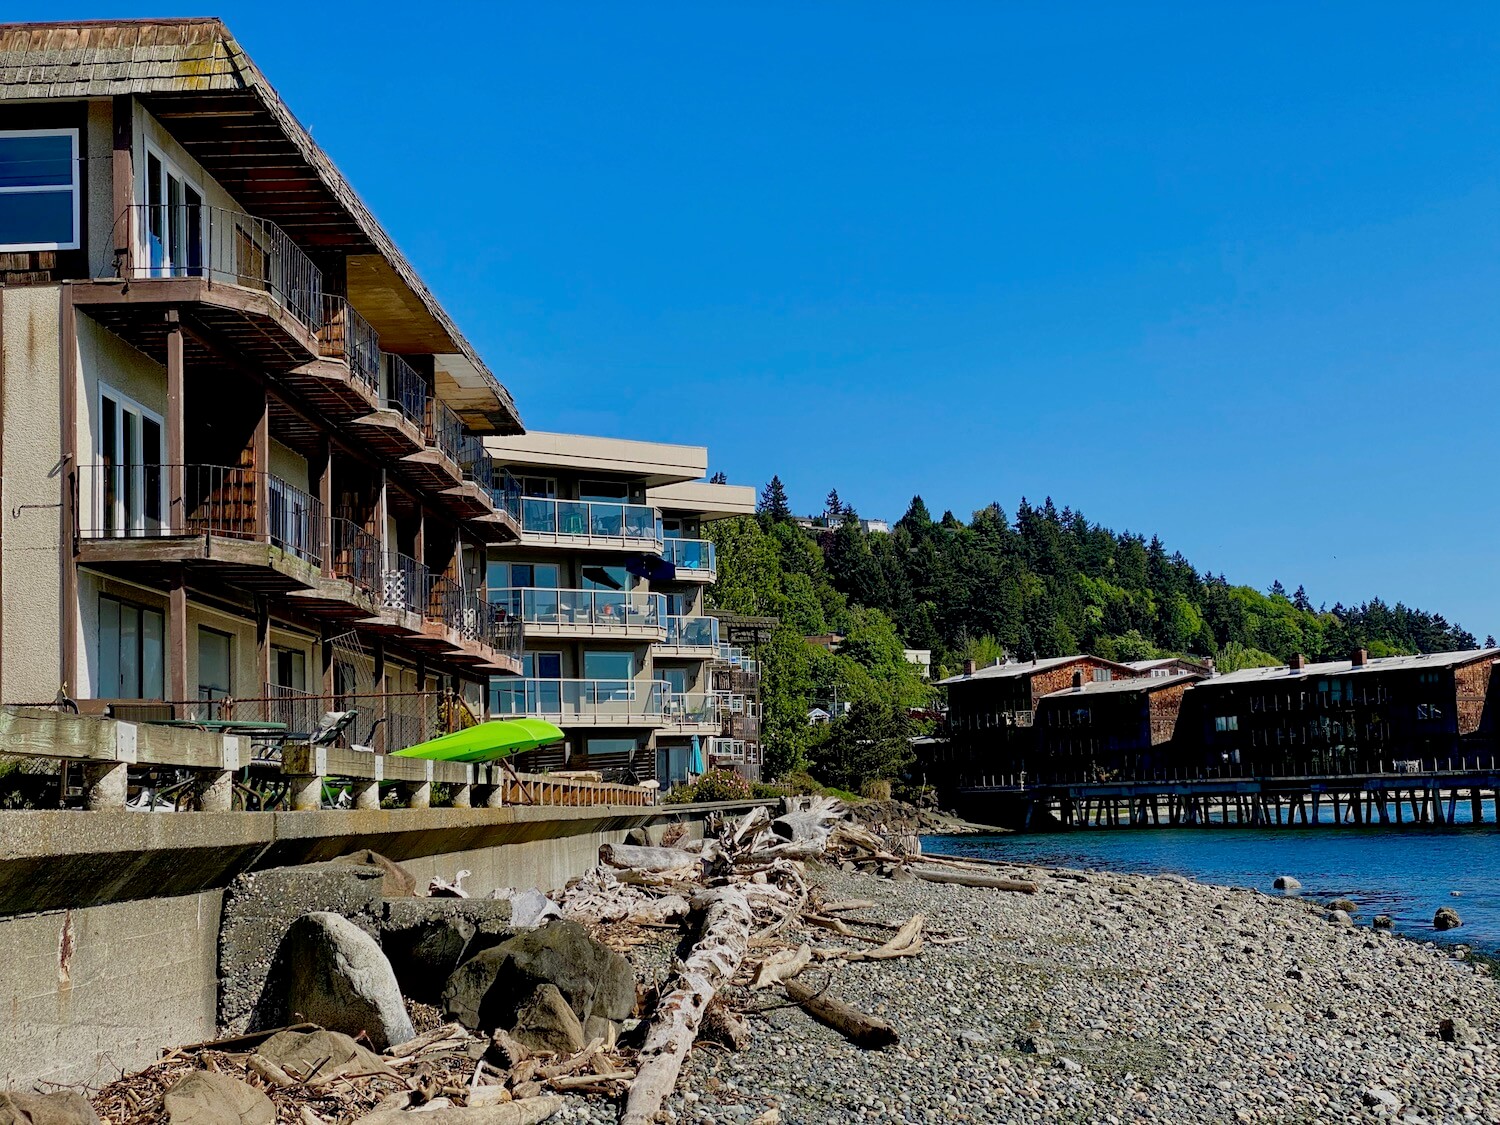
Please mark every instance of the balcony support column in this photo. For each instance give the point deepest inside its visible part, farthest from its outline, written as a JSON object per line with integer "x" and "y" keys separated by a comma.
{"x": 260, "y": 451}
{"x": 123, "y": 179}
{"x": 263, "y": 642}
{"x": 177, "y": 638}
{"x": 325, "y": 501}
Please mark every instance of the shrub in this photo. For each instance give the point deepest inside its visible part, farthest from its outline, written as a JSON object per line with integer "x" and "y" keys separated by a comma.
{"x": 715, "y": 785}
{"x": 876, "y": 790}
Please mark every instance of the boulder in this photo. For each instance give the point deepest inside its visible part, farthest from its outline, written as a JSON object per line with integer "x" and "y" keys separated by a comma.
{"x": 299, "y": 1052}
{"x": 425, "y": 939}
{"x": 1446, "y": 918}
{"x": 337, "y": 977}
{"x": 1384, "y": 922}
{"x": 1286, "y": 883}
{"x": 545, "y": 1022}
{"x": 597, "y": 1027}
{"x": 396, "y": 881}
{"x": 486, "y": 991}
{"x": 204, "y": 1097}
{"x": 65, "y": 1107}
{"x": 1340, "y": 918}
{"x": 1347, "y": 905}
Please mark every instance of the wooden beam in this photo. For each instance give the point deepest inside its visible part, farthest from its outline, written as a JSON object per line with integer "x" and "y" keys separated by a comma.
{"x": 122, "y": 172}
{"x": 177, "y": 633}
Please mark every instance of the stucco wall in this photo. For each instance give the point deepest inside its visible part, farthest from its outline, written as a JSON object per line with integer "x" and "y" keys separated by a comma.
{"x": 33, "y": 447}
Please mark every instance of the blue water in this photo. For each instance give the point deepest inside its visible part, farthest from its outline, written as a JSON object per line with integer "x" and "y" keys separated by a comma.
{"x": 1406, "y": 873}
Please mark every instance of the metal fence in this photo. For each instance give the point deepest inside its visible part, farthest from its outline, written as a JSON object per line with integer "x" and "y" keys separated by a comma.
{"x": 406, "y": 390}
{"x": 346, "y": 335}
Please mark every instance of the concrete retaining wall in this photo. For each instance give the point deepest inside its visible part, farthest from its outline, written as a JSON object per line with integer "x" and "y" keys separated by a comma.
{"x": 109, "y": 922}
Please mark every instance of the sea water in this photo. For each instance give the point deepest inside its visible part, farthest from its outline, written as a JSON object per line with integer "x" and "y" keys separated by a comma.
{"x": 1404, "y": 872}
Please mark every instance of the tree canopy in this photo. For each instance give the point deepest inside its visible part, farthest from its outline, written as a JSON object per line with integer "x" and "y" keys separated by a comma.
{"x": 1048, "y": 583}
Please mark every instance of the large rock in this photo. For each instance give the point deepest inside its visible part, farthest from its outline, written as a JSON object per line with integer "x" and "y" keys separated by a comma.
{"x": 425, "y": 939}
{"x": 545, "y": 1022}
{"x": 65, "y": 1107}
{"x": 1286, "y": 883}
{"x": 204, "y": 1097}
{"x": 338, "y": 977}
{"x": 1446, "y": 918}
{"x": 300, "y": 1052}
{"x": 486, "y": 991}
{"x": 259, "y": 908}
{"x": 396, "y": 881}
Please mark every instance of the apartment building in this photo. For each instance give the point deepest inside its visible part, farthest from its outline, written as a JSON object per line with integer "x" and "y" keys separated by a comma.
{"x": 244, "y": 473}
{"x": 607, "y": 580}
{"x": 1105, "y": 730}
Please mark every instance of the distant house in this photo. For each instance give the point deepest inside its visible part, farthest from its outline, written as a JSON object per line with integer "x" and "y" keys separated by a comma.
{"x": 1174, "y": 666}
{"x": 992, "y": 711}
{"x": 817, "y": 715}
{"x": 829, "y": 641}
{"x": 922, "y": 658}
{"x": 1103, "y": 730}
{"x": 878, "y": 527}
{"x": 1346, "y": 714}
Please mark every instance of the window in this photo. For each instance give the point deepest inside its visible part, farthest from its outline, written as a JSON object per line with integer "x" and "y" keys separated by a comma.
{"x": 289, "y": 667}
{"x": 544, "y": 488}
{"x": 1227, "y": 723}
{"x": 604, "y": 491}
{"x": 608, "y": 666}
{"x": 39, "y": 193}
{"x": 541, "y": 576}
{"x": 1101, "y": 675}
{"x": 214, "y": 655}
{"x": 676, "y": 679}
{"x": 173, "y": 222}
{"x": 130, "y": 486}
{"x": 130, "y": 650}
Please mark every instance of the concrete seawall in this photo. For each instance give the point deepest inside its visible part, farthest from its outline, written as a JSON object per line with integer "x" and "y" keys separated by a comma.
{"x": 109, "y": 921}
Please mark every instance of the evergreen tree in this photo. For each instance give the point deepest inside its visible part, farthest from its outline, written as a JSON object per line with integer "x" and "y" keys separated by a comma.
{"x": 1299, "y": 599}
{"x": 832, "y": 507}
{"x": 721, "y": 477}
{"x": 773, "y": 502}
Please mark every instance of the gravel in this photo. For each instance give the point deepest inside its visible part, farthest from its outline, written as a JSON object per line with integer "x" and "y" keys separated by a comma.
{"x": 1110, "y": 998}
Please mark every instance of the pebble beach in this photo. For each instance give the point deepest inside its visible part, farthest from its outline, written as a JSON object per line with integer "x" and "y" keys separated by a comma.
{"x": 1114, "y": 998}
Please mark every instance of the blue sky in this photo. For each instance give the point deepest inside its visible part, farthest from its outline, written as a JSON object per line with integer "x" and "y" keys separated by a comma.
{"x": 1223, "y": 273}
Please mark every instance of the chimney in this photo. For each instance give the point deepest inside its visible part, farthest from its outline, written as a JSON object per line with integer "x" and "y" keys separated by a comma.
{"x": 1077, "y": 681}
{"x": 970, "y": 668}
{"x": 1297, "y": 662}
{"x": 1360, "y": 658}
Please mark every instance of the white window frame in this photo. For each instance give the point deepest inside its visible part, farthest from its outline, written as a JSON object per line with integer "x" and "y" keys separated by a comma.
{"x": 143, "y": 233}
{"x": 76, "y": 188}
{"x": 122, "y": 404}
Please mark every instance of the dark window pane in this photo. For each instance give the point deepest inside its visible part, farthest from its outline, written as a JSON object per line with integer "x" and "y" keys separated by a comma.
{"x": 36, "y": 161}
{"x": 36, "y": 217}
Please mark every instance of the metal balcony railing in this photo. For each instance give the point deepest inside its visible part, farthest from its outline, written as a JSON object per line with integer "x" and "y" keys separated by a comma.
{"x": 585, "y": 521}
{"x": 692, "y": 632}
{"x": 136, "y": 502}
{"x": 406, "y": 390}
{"x": 445, "y": 431}
{"x": 692, "y": 554}
{"x": 223, "y": 247}
{"x": 356, "y": 555}
{"x": 602, "y": 611}
{"x": 470, "y": 615}
{"x": 505, "y": 493}
{"x": 404, "y": 583}
{"x": 346, "y": 335}
{"x": 600, "y": 701}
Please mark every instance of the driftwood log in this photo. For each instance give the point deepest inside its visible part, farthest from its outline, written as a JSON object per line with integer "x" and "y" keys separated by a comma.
{"x": 860, "y": 1028}
{"x": 715, "y": 958}
{"x": 973, "y": 879}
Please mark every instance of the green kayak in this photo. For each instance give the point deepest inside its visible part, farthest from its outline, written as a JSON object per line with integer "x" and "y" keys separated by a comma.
{"x": 486, "y": 742}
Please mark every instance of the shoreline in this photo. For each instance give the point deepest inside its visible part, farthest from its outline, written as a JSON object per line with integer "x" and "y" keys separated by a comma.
{"x": 1114, "y": 997}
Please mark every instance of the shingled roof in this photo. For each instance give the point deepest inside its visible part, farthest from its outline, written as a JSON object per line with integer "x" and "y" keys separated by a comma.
{"x": 193, "y": 76}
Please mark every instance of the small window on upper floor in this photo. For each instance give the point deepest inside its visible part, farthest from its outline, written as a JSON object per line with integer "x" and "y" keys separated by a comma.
{"x": 39, "y": 193}
{"x": 1101, "y": 675}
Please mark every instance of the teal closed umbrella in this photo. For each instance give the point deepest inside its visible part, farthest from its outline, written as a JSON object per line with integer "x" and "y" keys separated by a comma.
{"x": 695, "y": 759}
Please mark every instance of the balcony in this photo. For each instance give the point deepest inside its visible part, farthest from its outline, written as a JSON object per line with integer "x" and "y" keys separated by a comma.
{"x": 731, "y": 751}
{"x": 694, "y": 713}
{"x": 471, "y": 629}
{"x": 248, "y": 529}
{"x": 487, "y": 495}
{"x": 397, "y": 429}
{"x": 690, "y": 638}
{"x": 243, "y": 277}
{"x": 590, "y": 524}
{"x": 596, "y": 703}
{"x": 582, "y": 614}
{"x": 694, "y": 559}
{"x": 436, "y": 464}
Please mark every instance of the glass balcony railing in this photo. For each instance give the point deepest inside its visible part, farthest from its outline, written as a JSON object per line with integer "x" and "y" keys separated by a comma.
{"x": 585, "y": 522}
{"x": 607, "y": 702}
{"x": 693, "y": 632}
{"x": 692, "y": 709}
{"x": 695, "y": 555}
{"x": 726, "y": 749}
{"x": 603, "y": 611}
